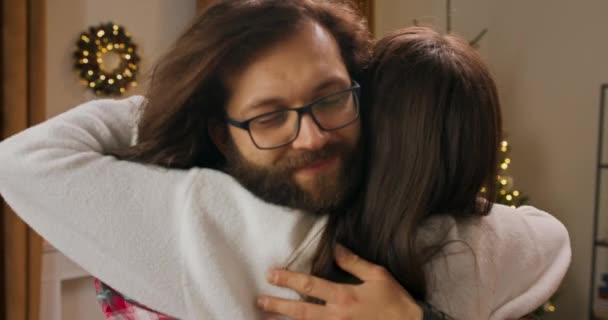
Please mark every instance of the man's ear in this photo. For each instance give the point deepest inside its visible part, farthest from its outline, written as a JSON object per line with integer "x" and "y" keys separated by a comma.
{"x": 218, "y": 132}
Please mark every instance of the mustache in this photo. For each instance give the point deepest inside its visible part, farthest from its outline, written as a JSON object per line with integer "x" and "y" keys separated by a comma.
{"x": 307, "y": 158}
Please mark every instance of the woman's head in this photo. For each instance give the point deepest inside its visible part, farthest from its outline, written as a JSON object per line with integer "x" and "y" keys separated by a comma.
{"x": 432, "y": 124}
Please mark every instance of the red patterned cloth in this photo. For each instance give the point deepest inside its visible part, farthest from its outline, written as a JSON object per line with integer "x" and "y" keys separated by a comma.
{"x": 118, "y": 307}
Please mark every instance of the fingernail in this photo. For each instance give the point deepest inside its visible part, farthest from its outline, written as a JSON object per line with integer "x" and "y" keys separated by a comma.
{"x": 272, "y": 276}
{"x": 261, "y": 302}
{"x": 341, "y": 252}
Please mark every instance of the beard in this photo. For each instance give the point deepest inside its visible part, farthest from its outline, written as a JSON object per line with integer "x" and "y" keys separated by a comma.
{"x": 276, "y": 183}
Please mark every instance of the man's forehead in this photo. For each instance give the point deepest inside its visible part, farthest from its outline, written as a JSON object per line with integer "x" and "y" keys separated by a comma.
{"x": 302, "y": 64}
{"x": 288, "y": 96}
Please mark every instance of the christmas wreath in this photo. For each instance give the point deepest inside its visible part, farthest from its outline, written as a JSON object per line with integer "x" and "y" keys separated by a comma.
{"x": 106, "y": 59}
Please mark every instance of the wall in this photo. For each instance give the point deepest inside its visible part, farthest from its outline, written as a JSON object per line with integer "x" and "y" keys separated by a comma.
{"x": 154, "y": 25}
{"x": 549, "y": 58}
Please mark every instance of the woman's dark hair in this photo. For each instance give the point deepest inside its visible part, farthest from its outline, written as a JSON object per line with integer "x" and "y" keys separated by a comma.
{"x": 433, "y": 128}
{"x": 187, "y": 89}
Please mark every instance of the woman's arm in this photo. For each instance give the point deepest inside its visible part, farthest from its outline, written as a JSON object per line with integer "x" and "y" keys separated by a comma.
{"x": 114, "y": 218}
{"x": 532, "y": 260}
{"x": 502, "y": 266}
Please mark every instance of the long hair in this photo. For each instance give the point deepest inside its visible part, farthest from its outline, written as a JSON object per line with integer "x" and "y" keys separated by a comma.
{"x": 187, "y": 88}
{"x": 433, "y": 126}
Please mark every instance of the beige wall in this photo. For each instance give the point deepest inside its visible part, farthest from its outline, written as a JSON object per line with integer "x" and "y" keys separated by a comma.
{"x": 154, "y": 25}
{"x": 549, "y": 58}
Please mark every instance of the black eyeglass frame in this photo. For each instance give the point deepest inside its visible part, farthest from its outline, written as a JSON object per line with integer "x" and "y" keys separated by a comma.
{"x": 305, "y": 109}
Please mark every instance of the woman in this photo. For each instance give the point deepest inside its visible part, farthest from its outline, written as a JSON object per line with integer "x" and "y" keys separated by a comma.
{"x": 435, "y": 127}
{"x": 58, "y": 178}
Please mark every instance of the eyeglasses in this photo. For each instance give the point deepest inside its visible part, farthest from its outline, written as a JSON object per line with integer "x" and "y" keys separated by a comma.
{"x": 279, "y": 128}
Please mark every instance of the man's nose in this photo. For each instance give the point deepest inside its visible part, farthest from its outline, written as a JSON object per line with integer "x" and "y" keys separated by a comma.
{"x": 311, "y": 137}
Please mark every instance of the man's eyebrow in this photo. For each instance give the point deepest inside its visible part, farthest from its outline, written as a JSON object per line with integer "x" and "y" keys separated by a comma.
{"x": 256, "y": 104}
{"x": 333, "y": 81}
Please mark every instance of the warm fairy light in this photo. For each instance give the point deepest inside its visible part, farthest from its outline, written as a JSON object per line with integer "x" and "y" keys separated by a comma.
{"x": 504, "y": 143}
{"x": 483, "y": 189}
{"x": 504, "y": 166}
{"x": 516, "y": 193}
{"x": 549, "y": 307}
{"x": 507, "y": 161}
{"x": 93, "y": 45}
{"x": 509, "y": 197}
{"x": 503, "y": 182}
{"x": 503, "y": 192}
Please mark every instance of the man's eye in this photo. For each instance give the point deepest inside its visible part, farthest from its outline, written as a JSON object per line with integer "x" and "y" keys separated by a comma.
{"x": 334, "y": 101}
{"x": 271, "y": 119}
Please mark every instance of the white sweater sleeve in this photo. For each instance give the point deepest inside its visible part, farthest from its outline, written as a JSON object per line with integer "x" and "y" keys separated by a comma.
{"x": 532, "y": 260}
{"x": 114, "y": 218}
{"x": 501, "y": 267}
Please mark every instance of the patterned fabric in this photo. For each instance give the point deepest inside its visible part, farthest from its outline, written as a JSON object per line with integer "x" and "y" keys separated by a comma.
{"x": 118, "y": 307}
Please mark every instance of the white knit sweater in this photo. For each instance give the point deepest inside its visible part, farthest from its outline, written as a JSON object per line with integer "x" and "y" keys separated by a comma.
{"x": 196, "y": 245}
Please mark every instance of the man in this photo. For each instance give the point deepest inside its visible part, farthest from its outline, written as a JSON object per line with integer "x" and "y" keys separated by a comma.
{"x": 264, "y": 90}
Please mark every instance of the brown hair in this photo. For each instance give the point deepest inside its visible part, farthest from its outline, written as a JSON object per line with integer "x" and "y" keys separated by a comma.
{"x": 187, "y": 90}
{"x": 433, "y": 127}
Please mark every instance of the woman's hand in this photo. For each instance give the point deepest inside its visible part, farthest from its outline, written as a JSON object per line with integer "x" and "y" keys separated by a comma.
{"x": 380, "y": 296}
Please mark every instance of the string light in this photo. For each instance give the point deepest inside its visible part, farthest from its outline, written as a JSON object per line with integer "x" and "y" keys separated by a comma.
{"x": 90, "y": 57}
{"x": 505, "y": 194}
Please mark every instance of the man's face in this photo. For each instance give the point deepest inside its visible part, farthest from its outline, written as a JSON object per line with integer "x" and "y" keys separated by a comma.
{"x": 319, "y": 168}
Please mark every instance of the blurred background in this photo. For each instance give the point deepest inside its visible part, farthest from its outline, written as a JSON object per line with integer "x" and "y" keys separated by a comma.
{"x": 550, "y": 60}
